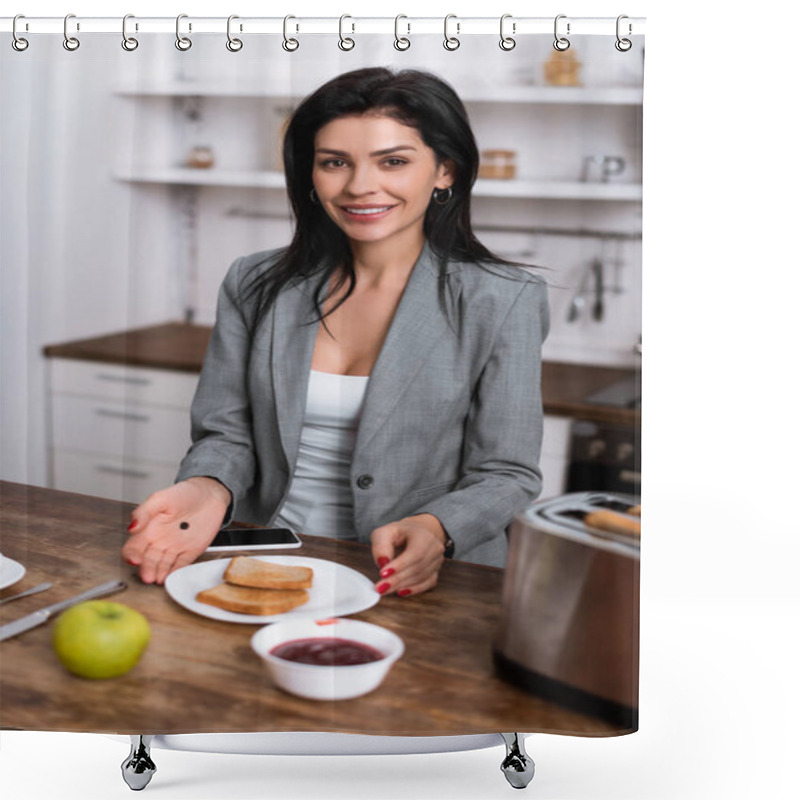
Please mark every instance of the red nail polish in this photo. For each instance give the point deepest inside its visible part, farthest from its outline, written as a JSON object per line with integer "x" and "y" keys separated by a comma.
{"x": 383, "y": 561}
{"x": 387, "y": 573}
{"x": 404, "y": 593}
{"x": 384, "y": 587}
{"x": 132, "y": 525}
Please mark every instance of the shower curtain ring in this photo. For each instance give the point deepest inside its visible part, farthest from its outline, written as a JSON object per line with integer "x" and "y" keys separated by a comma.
{"x": 507, "y": 42}
{"x": 18, "y": 43}
{"x": 289, "y": 44}
{"x": 623, "y": 45}
{"x": 561, "y": 43}
{"x": 183, "y": 43}
{"x": 234, "y": 45}
{"x": 401, "y": 42}
{"x": 345, "y": 42}
{"x": 70, "y": 42}
{"x": 128, "y": 42}
{"x": 451, "y": 42}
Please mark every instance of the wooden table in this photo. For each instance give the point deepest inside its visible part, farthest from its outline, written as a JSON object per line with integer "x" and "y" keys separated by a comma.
{"x": 201, "y": 675}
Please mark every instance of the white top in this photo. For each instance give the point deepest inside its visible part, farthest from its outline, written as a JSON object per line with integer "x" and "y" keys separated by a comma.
{"x": 320, "y": 500}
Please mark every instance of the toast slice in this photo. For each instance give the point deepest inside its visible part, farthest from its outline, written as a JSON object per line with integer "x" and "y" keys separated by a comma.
{"x": 246, "y": 571}
{"x": 246, "y": 600}
{"x": 614, "y": 523}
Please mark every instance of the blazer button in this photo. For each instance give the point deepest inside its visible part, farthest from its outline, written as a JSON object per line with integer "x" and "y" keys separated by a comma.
{"x": 364, "y": 481}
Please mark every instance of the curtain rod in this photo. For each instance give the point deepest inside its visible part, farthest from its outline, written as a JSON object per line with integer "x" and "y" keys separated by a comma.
{"x": 348, "y": 25}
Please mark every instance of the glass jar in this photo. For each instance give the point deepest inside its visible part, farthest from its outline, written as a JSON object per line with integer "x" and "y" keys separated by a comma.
{"x": 498, "y": 164}
{"x": 200, "y": 157}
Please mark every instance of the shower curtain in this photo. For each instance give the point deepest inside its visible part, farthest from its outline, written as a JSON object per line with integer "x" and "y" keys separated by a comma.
{"x": 134, "y": 175}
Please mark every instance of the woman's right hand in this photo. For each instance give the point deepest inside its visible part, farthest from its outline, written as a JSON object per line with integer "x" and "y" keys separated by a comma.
{"x": 174, "y": 526}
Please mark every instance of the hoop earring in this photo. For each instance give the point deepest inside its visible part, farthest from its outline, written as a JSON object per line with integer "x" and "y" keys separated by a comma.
{"x": 314, "y": 197}
{"x": 442, "y": 196}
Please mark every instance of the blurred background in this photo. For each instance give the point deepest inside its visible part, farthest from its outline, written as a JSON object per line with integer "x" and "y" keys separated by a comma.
{"x": 137, "y": 181}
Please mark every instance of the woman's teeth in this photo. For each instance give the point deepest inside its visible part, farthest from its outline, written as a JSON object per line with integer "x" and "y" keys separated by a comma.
{"x": 367, "y": 210}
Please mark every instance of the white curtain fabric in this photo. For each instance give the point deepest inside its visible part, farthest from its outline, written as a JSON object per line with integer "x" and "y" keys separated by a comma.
{"x": 104, "y": 230}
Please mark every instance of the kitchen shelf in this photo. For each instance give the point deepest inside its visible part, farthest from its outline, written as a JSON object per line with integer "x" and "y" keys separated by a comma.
{"x": 519, "y": 189}
{"x": 557, "y": 95}
{"x": 188, "y": 176}
{"x": 557, "y": 190}
{"x": 202, "y": 89}
{"x": 560, "y": 95}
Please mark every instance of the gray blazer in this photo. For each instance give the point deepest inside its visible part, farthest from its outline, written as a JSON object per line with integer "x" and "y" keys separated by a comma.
{"x": 452, "y": 418}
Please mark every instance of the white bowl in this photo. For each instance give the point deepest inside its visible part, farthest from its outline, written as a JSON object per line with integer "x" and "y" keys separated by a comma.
{"x": 324, "y": 682}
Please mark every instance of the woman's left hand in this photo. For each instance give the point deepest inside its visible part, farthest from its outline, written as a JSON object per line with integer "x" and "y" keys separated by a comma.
{"x": 409, "y": 554}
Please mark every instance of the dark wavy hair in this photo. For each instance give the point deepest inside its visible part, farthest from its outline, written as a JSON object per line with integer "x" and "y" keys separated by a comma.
{"x": 414, "y": 98}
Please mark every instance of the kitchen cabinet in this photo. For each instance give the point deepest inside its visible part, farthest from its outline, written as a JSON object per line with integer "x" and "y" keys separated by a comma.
{"x": 117, "y": 431}
{"x": 120, "y": 409}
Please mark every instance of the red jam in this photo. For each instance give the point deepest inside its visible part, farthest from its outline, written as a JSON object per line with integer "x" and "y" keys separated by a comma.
{"x": 327, "y": 652}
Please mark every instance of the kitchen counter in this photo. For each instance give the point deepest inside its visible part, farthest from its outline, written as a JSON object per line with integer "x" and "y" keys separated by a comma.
{"x": 200, "y": 674}
{"x": 180, "y": 347}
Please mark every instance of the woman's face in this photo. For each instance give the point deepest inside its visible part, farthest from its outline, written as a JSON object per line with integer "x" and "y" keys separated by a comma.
{"x": 375, "y": 176}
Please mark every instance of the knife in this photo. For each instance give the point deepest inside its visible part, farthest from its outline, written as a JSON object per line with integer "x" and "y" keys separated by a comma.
{"x": 42, "y": 587}
{"x": 43, "y": 614}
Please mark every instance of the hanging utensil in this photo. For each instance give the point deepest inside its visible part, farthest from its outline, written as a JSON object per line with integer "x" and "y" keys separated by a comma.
{"x": 618, "y": 265}
{"x": 579, "y": 299}
{"x": 575, "y": 308}
{"x": 597, "y": 307}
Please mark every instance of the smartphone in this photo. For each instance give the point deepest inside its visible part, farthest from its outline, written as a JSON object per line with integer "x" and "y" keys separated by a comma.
{"x": 254, "y": 539}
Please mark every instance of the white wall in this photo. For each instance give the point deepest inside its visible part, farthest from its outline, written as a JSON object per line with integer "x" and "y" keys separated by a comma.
{"x": 79, "y": 257}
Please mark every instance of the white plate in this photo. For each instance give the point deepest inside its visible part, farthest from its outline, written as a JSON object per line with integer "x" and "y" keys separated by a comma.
{"x": 10, "y": 572}
{"x": 335, "y": 592}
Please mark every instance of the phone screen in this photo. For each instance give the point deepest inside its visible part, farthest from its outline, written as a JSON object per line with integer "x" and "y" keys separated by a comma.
{"x": 254, "y": 539}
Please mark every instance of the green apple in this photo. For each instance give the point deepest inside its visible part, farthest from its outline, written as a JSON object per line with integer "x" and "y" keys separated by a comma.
{"x": 100, "y": 639}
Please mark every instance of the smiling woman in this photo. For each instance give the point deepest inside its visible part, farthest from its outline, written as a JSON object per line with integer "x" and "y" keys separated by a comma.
{"x": 377, "y": 195}
{"x": 377, "y": 379}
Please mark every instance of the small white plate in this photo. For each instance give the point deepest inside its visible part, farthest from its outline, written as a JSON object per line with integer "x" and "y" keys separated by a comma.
{"x": 335, "y": 592}
{"x": 10, "y": 572}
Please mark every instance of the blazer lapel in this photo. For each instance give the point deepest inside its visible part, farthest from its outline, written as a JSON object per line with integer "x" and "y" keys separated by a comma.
{"x": 417, "y": 326}
{"x": 293, "y": 338}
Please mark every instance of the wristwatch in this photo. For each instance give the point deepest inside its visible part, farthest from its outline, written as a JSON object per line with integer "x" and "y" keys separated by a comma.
{"x": 449, "y": 547}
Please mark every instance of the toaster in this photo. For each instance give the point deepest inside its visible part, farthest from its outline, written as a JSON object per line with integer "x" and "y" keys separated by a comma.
{"x": 569, "y": 625}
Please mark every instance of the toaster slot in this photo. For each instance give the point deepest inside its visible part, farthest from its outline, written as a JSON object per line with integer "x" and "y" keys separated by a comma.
{"x": 573, "y": 514}
{"x": 613, "y": 505}
{"x": 565, "y": 517}
{"x": 572, "y": 511}
{"x": 612, "y": 502}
